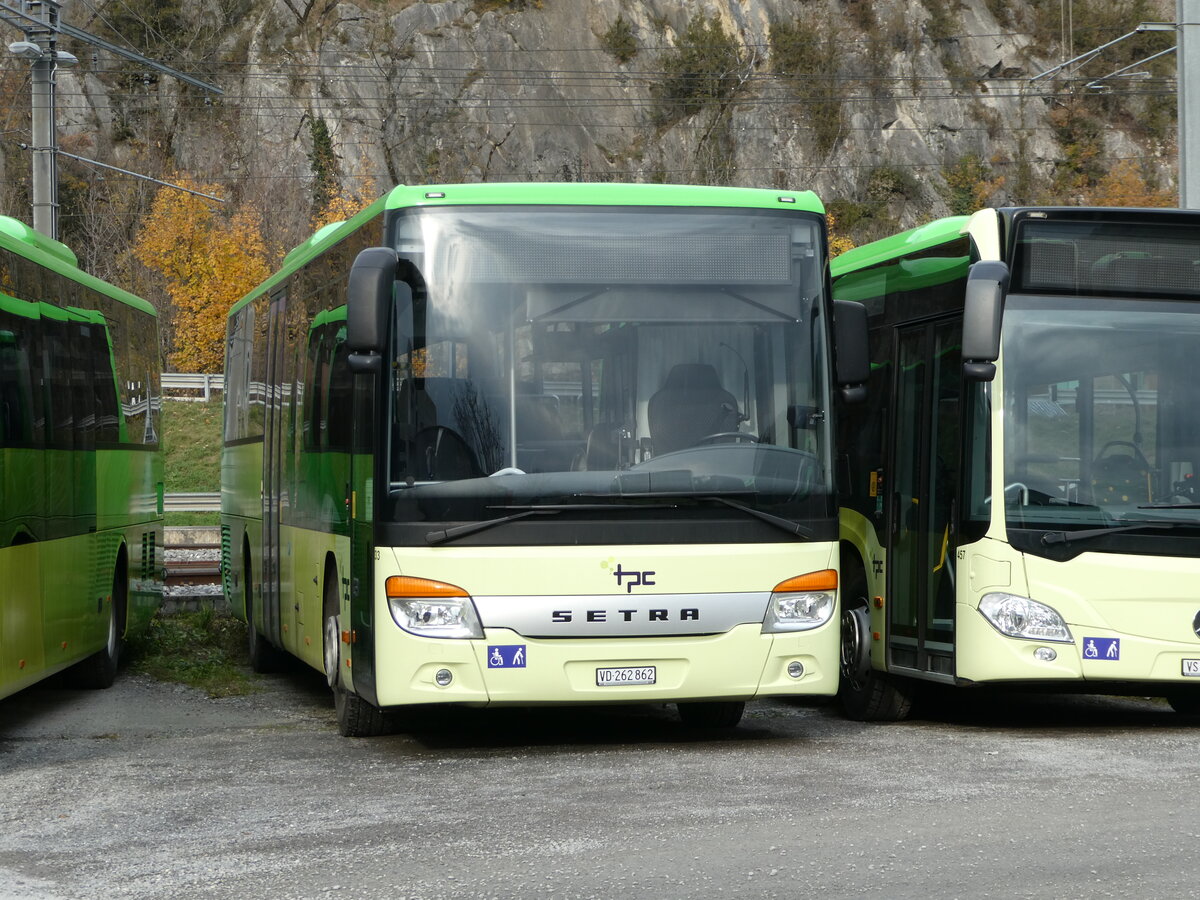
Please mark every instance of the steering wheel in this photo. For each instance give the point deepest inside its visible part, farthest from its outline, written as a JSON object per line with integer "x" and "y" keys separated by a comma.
{"x": 1137, "y": 451}
{"x": 728, "y": 437}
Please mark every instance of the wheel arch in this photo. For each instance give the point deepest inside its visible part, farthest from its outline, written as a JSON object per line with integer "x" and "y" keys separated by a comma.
{"x": 120, "y": 599}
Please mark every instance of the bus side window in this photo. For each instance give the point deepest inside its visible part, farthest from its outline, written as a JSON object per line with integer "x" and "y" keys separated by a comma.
{"x": 16, "y": 397}
{"x": 104, "y": 386}
{"x": 341, "y": 394}
{"x": 312, "y": 391}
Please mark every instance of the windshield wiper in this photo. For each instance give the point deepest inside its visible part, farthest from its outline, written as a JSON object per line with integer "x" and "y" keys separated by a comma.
{"x": 450, "y": 534}
{"x": 1170, "y": 506}
{"x": 1067, "y": 537}
{"x": 523, "y": 511}
{"x": 778, "y": 521}
{"x": 793, "y": 528}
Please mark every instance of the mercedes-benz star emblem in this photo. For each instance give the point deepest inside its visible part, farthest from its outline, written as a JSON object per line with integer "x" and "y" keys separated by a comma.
{"x": 1196, "y": 624}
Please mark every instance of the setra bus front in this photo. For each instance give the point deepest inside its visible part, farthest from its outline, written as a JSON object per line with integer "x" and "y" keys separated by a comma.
{"x": 592, "y": 457}
{"x": 1086, "y": 573}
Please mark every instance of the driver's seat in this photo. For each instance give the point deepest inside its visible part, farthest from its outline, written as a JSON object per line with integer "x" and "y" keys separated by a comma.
{"x": 691, "y": 405}
{"x": 1121, "y": 479}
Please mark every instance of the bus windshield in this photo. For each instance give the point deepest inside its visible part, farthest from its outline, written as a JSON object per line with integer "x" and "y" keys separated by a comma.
{"x": 1101, "y": 425}
{"x": 584, "y": 355}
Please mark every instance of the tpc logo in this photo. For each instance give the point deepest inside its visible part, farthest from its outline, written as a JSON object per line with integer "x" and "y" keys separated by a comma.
{"x": 633, "y": 579}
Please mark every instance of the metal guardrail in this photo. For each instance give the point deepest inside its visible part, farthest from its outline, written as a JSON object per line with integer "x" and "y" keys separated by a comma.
{"x": 205, "y": 383}
{"x": 207, "y": 502}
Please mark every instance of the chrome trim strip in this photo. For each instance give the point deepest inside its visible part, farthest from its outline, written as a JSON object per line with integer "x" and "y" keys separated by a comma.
{"x": 622, "y": 615}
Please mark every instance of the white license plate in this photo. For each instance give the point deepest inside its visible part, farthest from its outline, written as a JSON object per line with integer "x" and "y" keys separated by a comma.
{"x": 1191, "y": 668}
{"x": 626, "y": 675}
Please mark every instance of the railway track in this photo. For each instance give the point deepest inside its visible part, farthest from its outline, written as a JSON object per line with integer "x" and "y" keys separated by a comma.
{"x": 193, "y": 571}
{"x": 193, "y": 565}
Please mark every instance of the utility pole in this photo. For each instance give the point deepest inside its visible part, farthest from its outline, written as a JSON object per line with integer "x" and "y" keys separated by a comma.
{"x": 41, "y": 34}
{"x": 1187, "y": 85}
{"x": 1187, "y": 19}
{"x": 39, "y": 19}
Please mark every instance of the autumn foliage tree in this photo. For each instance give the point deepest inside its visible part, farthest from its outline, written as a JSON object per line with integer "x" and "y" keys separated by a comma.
{"x": 208, "y": 259}
{"x": 838, "y": 243}
{"x": 1125, "y": 186}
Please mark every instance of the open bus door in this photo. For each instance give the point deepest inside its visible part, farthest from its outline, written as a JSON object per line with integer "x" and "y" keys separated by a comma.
{"x": 925, "y": 454}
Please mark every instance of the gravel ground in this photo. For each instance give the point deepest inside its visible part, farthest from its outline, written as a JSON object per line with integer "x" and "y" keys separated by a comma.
{"x": 155, "y": 791}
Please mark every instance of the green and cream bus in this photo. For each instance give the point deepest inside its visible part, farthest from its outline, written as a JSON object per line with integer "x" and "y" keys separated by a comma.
{"x": 542, "y": 444}
{"x": 80, "y": 471}
{"x": 1021, "y": 504}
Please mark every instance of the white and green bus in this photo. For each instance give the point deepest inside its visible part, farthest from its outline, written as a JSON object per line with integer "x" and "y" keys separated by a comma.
{"x": 543, "y": 444}
{"x": 80, "y": 471}
{"x": 1021, "y": 504}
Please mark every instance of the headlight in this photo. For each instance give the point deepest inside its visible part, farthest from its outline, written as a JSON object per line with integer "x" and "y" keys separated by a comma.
{"x": 802, "y": 603}
{"x": 1021, "y": 617}
{"x": 432, "y": 608}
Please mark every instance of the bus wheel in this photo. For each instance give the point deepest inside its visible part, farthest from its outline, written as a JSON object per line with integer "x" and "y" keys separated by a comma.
{"x": 1186, "y": 703}
{"x": 331, "y": 649}
{"x": 713, "y": 714}
{"x": 100, "y": 669}
{"x": 356, "y": 717}
{"x": 263, "y": 655}
{"x": 864, "y": 694}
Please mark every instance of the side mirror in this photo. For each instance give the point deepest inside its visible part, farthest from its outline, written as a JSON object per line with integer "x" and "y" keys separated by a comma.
{"x": 369, "y": 299}
{"x": 987, "y": 285}
{"x": 851, "y": 349}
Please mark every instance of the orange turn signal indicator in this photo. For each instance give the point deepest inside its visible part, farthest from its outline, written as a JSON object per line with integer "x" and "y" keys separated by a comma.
{"x": 825, "y": 580}
{"x": 406, "y": 586}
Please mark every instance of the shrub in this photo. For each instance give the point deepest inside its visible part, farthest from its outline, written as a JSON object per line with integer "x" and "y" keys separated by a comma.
{"x": 807, "y": 54}
{"x": 703, "y": 69}
{"x": 619, "y": 41}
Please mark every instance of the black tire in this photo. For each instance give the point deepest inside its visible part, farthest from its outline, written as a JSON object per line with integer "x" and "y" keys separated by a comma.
{"x": 1186, "y": 703}
{"x": 356, "y": 717}
{"x": 99, "y": 670}
{"x": 264, "y": 657}
{"x": 864, "y": 694}
{"x": 715, "y": 714}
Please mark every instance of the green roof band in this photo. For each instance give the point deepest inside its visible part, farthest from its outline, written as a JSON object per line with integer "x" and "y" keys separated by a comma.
{"x": 15, "y": 228}
{"x": 906, "y": 243}
{"x": 19, "y": 238}
{"x": 597, "y": 194}
{"x": 906, "y": 275}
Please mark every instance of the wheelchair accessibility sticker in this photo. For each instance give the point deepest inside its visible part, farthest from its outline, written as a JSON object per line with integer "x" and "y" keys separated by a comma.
{"x": 1102, "y": 648}
{"x": 506, "y": 656}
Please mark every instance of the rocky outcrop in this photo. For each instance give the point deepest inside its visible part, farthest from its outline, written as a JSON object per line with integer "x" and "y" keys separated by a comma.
{"x": 884, "y": 109}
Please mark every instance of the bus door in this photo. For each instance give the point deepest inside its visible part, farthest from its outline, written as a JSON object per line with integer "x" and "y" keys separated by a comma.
{"x": 356, "y": 593}
{"x": 273, "y": 471}
{"x": 925, "y": 454}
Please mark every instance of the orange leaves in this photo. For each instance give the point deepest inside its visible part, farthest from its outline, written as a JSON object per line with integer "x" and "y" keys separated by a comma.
{"x": 1125, "y": 186}
{"x": 208, "y": 259}
{"x": 838, "y": 243}
{"x": 344, "y": 206}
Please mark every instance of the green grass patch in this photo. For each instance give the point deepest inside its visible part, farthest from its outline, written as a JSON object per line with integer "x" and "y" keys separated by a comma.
{"x": 192, "y": 446}
{"x": 204, "y": 650}
{"x": 192, "y": 519}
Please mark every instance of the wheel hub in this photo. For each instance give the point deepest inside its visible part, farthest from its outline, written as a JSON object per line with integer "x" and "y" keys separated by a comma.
{"x": 856, "y": 657}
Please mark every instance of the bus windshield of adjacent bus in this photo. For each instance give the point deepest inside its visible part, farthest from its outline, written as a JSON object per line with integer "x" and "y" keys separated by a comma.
{"x": 566, "y": 357}
{"x": 1102, "y": 431}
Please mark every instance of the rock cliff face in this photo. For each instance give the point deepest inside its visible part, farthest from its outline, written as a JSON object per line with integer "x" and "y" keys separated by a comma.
{"x": 892, "y": 111}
